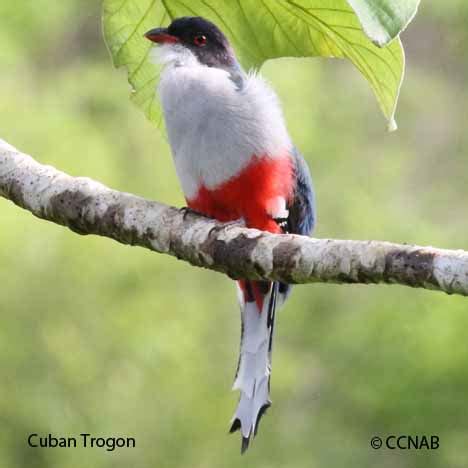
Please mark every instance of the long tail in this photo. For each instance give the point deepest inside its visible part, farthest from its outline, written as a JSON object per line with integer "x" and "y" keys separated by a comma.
{"x": 258, "y": 301}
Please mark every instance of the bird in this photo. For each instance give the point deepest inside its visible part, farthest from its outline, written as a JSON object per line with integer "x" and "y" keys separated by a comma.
{"x": 235, "y": 161}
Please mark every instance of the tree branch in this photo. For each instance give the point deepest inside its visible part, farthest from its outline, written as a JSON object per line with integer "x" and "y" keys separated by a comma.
{"x": 88, "y": 207}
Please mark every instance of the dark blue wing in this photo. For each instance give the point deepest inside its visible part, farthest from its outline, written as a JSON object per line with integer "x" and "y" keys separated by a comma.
{"x": 302, "y": 216}
{"x": 301, "y": 219}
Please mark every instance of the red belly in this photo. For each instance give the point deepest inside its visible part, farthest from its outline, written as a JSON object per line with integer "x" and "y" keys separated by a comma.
{"x": 249, "y": 194}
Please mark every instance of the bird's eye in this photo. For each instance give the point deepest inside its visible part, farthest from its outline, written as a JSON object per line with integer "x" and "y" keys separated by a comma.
{"x": 200, "y": 40}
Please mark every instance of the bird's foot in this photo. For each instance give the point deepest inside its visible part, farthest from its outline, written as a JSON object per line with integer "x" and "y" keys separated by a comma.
{"x": 282, "y": 223}
{"x": 186, "y": 211}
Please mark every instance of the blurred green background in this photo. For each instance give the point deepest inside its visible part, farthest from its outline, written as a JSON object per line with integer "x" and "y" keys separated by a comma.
{"x": 112, "y": 340}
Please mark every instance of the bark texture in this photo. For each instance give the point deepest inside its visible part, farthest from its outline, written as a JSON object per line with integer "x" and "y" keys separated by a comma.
{"x": 88, "y": 207}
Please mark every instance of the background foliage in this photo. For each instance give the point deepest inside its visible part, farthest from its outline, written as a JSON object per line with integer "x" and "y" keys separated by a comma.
{"x": 112, "y": 340}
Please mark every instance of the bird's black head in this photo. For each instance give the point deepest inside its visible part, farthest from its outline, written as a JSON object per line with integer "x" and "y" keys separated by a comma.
{"x": 203, "y": 38}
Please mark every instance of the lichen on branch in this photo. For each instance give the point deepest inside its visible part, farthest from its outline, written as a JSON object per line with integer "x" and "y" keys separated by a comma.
{"x": 89, "y": 207}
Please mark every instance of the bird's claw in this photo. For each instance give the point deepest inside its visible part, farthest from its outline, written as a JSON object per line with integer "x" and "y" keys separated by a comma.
{"x": 189, "y": 211}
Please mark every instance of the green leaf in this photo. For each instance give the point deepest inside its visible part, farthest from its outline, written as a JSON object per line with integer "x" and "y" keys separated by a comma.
{"x": 383, "y": 20}
{"x": 124, "y": 23}
{"x": 259, "y": 30}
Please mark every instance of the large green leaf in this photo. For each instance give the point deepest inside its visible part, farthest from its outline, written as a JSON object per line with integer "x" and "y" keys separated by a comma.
{"x": 259, "y": 30}
{"x": 383, "y": 20}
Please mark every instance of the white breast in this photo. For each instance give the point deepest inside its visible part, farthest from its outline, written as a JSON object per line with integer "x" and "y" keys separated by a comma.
{"x": 214, "y": 128}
